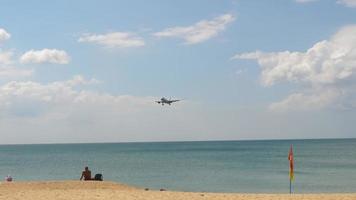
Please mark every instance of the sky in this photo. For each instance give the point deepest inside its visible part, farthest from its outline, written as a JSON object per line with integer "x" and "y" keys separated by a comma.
{"x": 91, "y": 71}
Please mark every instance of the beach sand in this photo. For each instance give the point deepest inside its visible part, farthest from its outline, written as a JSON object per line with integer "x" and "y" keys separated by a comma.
{"x": 67, "y": 190}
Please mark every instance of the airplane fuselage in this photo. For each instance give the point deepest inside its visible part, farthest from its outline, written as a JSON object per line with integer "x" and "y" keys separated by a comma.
{"x": 166, "y": 101}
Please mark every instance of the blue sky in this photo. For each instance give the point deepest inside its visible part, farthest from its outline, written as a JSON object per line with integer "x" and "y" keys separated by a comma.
{"x": 90, "y": 71}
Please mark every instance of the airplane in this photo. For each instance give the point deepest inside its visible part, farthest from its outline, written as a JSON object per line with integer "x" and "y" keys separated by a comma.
{"x": 166, "y": 101}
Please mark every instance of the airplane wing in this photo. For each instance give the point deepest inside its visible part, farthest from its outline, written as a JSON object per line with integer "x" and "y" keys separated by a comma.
{"x": 175, "y": 100}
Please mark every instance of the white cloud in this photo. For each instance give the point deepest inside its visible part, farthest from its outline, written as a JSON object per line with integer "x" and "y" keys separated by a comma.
{"x": 5, "y": 57}
{"x": 329, "y": 65}
{"x": 14, "y": 73}
{"x": 114, "y": 40}
{"x": 308, "y": 100}
{"x": 4, "y": 35}
{"x": 45, "y": 56}
{"x": 199, "y": 32}
{"x": 80, "y": 80}
{"x": 71, "y": 111}
{"x": 61, "y": 96}
{"x": 348, "y": 3}
{"x": 9, "y": 72}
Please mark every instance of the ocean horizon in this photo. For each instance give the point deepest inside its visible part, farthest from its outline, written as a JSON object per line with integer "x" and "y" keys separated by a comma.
{"x": 178, "y": 141}
{"x": 256, "y": 166}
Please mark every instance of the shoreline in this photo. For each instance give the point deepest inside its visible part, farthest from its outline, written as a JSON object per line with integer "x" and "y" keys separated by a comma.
{"x": 105, "y": 190}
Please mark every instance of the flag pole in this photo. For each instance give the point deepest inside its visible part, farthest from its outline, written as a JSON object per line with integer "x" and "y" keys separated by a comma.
{"x": 291, "y": 168}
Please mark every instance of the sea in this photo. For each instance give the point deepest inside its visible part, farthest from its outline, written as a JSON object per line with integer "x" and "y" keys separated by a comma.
{"x": 321, "y": 165}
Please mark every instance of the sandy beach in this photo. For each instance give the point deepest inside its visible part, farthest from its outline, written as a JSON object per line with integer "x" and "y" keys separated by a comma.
{"x": 111, "y": 190}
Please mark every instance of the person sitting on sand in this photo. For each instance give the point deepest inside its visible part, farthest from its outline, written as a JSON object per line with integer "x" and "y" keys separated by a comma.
{"x": 86, "y": 174}
{"x": 8, "y": 178}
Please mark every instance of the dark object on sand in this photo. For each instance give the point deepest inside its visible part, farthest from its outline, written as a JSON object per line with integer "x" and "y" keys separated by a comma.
{"x": 98, "y": 177}
{"x": 162, "y": 189}
{"x": 146, "y": 189}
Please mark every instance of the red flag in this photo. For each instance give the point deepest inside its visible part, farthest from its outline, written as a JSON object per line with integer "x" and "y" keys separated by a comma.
{"x": 291, "y": 163}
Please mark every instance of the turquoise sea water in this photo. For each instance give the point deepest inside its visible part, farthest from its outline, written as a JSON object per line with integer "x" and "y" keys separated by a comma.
{"x": 221, "y": 166}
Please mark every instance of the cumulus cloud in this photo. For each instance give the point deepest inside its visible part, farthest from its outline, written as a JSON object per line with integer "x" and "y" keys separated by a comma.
{"x": 348, "y": 3}
{"x": 45, "y": 56}
{"x": 328, "y": 68}
{"x": 4, "y": 35}
{"x": 114, "y": 40}
{"x": 199, "y": 32}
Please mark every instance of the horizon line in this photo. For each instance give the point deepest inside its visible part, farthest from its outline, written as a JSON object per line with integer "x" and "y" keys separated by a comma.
{"x": 181, "y": 141}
